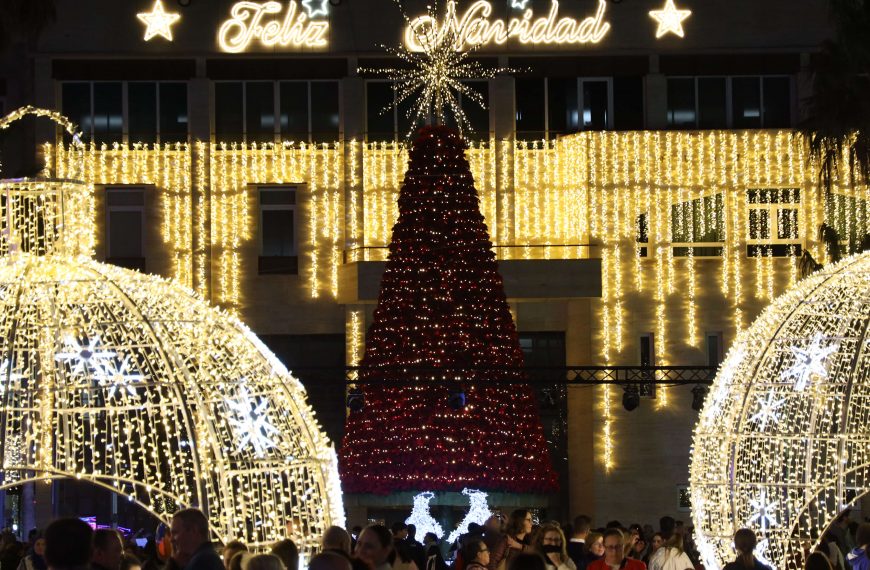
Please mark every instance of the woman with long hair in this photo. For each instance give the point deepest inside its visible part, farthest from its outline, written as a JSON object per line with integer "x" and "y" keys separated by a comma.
{"x": 518, "y": 533}
{"x": 745, "y": 541}
{"x": 671, "y": 556}
{"x": 549, "y": 542}
{"x": 375, "y": 547}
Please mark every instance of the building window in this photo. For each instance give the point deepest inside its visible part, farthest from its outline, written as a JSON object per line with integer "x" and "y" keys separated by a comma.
{"x": 647, "y": 359}
{"x": 729, "y": 102}
{"x": 555, "y": 106}
{"x": 267, "y": 111}
{"x": 698, "y": 224}
{"x": 386, "y": 121}
{"x": 125, "y": 227}
{"x": 278, "y": 224}
{"x": 714, "y": 348}
{"x": 116, "y": 112}
{"x": 773, "y": 219}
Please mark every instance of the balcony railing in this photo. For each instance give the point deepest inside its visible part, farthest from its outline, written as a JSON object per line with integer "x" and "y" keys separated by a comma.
{"x": 502, "y": 252}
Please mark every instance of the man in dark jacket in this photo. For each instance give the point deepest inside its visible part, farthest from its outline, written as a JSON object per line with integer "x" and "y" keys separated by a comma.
{"x": 191, "y": 548}
{"x": 576, "y": 546}
{"x": 107, "y": 551}
{"x": 68, "y": 544}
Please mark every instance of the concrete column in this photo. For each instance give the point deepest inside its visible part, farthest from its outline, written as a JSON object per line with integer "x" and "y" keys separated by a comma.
{"x": 199, "y": 103}
{"x": 803, "y": 89}
{"x": 656, "y": 87}
{"x": 581, "y": 413}
{"x": 503, "y": 118}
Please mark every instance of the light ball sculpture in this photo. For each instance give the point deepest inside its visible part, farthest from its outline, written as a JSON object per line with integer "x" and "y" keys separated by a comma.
{"x": 134, "y": 383}
{"x": 782, "y": 445}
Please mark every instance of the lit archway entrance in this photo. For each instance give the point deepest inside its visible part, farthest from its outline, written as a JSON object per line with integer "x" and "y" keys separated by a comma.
{"x": 783, "y": 442}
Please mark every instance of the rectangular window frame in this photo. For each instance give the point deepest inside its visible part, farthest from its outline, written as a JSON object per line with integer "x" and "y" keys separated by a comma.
{"x": 285, "y": 264}
{"x": 761, "y": 244}
{"x": 548, "y": 132}
{"x": 701, "y": 249}
{"x": 125, "y": 107}
{"x": 729, "y": 99}
{"x": 110, "y": 209}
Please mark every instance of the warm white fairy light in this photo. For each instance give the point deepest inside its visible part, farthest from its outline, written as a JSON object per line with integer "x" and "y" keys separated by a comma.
{"x": 433, "y": 77}
{"x": 782, "y": 447}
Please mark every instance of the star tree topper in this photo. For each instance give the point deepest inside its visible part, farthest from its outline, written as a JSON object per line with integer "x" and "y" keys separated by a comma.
{"x": 434, "y": 75}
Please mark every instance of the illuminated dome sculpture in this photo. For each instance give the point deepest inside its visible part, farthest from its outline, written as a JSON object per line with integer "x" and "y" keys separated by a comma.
{"x": 133, "y": 383}
{"x": 783, "y": 442}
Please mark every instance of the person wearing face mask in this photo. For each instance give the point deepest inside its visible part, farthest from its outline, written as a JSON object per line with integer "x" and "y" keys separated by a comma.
{"x": 549, "y": 542}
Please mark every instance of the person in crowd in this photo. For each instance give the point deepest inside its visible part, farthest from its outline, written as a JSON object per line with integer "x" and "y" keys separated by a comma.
{"x": 518, "y": 533}
{"x": 354, "y": 535}
{"x": 68, "y": 544}
{"x": 666, "y": 527}
{"x": 403, "y": 557}
{"x": 671, "y": 556}
{"x": 335, "y": 539}
{"x": 330, "y": 560}
{"x": 614, "y": 554}
{"x": 595, "y": 549}
{"x": 400, "y": 531}
{"x": 496, "y": 542}
{"x": 527, "y": 561}
{"x": 191, "y": 548}
{"x": 434, "y": 558}
{"x": 640, "y": 550}
{"x": 745, "y": 541}
{"x": 375, "y": 547}
{"x": 287, "y": 553}
{"x": 232, "y": 548}
{"x": 655, "y": 543}
{"x": 817, "y": 561}
{"x": 858, "y": 558}
{"x": 418, "y": 553}
{"x": 576, "y": 547}
{"x": 265, "y": 562}
{"x": 839, "y": 531}
{"x": 36, "y": 559}
{"x": 108, "y": 549}
{"x": 549, "y": 542}
{"x": 239, "y": 559}
{"x": 828, "y": 546}
{"x": 10, "y": 551}
{"x": 475, "y": 554}
{"x": 130, "y": 562}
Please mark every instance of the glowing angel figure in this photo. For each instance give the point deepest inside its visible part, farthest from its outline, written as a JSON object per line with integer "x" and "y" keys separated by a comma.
{"x": 764, "y": 511}
{"x": 478, "y": 512}
{"x": 85, "y": 357}
{"x": 434, "y": 75}
{"x": 7, "y": 376}
{"x": 120, "y": 378}
{"x": 767, "y": 410}
{"x": 809, "y": 362}
{"x": 251, "y": 423}
{"x": 421, "y": 518}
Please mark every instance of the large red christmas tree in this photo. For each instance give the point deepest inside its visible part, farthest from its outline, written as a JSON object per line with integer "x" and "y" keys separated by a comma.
{"x": 442, "y": 314}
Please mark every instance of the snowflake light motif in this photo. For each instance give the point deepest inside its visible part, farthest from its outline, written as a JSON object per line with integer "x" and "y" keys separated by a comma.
{"x": 434, "y": 76}
{"x": 5, "y": 375}
{"x": 422, "y": 518}
{"x": 767, "y": 411}
{"x": 809, "y": 362}
{"x": 251, "y": 422}
{"x": 316, "y": 7}
{"x": 764, "y": 511}
{"x": 121, "y": 378}
{"x": 85, "y": 356}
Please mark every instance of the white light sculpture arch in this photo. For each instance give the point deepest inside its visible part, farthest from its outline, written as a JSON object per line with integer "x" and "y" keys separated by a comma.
{"x": 782, "y": 445}
{"x": 133, "y": 383}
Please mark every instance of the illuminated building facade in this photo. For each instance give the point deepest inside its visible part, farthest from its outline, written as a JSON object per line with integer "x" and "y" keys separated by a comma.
{"x": 647, "y": 195}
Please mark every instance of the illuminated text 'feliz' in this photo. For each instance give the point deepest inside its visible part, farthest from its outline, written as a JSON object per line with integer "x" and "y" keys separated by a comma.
{"x": 249, "y": 21}
{"x": 475, "y": 28}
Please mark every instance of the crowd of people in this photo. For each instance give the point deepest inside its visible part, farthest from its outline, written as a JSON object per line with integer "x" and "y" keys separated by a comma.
{"x": 514, "y": 544}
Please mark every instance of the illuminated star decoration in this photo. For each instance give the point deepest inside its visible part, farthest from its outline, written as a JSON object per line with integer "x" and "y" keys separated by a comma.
{"x": 121, "y": 378}
{"x": 670, "y": 19}
{"x": 809, "y": 362}
{"x": 4, "y": 373}
{"x": 478, "y": 512}
{"x": 519, "y": 4}
{"x": 421, "y": 518}
{"x": 158, "y": 21}
{"x": 251, "y": 423}
{"x": 434, "y": 76}
{"x": 85, "y": 357}
{"x": 320, "y": 8}
{"x": 767, "y": 410}
{"x": 763, "y": 511}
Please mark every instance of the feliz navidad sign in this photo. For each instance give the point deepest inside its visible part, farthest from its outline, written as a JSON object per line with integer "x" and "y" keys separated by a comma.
{"x": 305, "y": 24}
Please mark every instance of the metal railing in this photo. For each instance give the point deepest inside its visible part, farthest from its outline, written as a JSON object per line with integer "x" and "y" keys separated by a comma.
{"x": 515, "y": 251}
